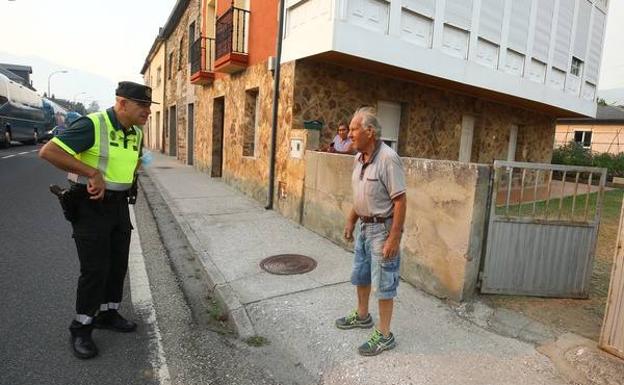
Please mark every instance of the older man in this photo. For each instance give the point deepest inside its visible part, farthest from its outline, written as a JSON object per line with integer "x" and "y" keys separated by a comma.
{"x": 379, "y": 204}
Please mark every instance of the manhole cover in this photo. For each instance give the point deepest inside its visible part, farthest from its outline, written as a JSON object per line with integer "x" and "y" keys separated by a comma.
{"x": 163, "y": 167}
{"x": 287, "y": 264}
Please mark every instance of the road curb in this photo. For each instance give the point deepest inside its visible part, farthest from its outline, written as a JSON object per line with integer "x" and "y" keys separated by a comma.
{"x": 224, "y": 294}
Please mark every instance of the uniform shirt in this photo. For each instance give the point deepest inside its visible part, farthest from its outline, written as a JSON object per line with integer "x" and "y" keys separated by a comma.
{"x": 376, "y": 182}
{"x": 341, "y": 145}
{"x": 80, "y": 135}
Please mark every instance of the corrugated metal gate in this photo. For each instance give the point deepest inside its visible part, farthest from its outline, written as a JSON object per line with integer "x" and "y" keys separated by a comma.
{"x": 542, "y": 231}
{"x": 612, "y": 336}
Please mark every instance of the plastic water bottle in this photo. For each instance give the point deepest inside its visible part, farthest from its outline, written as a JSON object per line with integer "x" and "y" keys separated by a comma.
{"x": 147, "y": 158}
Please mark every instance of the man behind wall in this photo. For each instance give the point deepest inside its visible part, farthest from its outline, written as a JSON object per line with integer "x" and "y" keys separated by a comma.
{"x": 379, "y": 206}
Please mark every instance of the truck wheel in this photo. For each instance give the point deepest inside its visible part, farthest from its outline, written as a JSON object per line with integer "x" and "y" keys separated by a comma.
{"x": 6, "y": 143}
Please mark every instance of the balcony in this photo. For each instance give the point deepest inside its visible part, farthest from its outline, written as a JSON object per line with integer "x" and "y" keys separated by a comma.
{"x": 202, "y": 62}
{"x": 231, "y": 51}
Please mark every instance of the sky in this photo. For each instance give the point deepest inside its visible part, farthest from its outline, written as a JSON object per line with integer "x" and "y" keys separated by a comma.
{"x": 101, "y": 42}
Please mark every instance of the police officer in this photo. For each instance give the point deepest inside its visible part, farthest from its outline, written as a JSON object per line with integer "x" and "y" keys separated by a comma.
{"x": 101, "y": 153}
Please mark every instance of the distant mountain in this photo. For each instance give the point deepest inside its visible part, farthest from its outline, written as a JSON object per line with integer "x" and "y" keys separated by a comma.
{"x": 613, "y": 96}
{"x": 75, "y": 84}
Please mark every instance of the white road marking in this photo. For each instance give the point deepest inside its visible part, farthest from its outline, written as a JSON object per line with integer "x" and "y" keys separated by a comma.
{"x": 8, "y": 156}
{"x": 143, "y": 304}
{"x": 23, "y": 153}
{"x": 34, "y": 151}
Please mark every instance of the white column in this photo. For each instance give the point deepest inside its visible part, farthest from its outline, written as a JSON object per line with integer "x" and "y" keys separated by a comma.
{"x": 394, "y": 28}
{"x": 502, "y": 49}
{"x": 553, "y": 39}
{"x": 465, "y": 146}
{"x": 474, "y": 30}
{"x": 513, "y": 142}
{"x": 438, "y": 24}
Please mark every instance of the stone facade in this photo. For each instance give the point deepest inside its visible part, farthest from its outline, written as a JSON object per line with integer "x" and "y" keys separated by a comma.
{"x": 179, "y": 92}
{"x": 431, "y": 118}
{"x": 247, "y": 173}
{"x": 154, "y": 77}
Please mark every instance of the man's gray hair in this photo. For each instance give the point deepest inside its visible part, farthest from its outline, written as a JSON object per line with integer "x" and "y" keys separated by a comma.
{"x": 369, "y": 120}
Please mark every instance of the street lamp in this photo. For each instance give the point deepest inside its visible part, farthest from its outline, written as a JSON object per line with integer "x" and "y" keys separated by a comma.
{"x": 49, "y": 76}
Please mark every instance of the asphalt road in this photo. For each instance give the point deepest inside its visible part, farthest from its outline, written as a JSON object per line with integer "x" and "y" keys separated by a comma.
{"x": 38, "y": 274}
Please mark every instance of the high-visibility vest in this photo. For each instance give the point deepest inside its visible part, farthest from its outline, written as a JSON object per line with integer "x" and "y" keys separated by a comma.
{"x": 114, "y": 154}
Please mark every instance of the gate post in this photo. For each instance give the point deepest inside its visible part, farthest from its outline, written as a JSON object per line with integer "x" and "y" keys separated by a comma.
{"x": 612, "y": 334}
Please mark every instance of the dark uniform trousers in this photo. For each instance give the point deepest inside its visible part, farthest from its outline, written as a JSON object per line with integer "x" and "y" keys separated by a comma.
{"x": 102, "y": 234}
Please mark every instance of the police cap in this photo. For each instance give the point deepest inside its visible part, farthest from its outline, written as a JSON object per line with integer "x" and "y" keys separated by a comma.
{"x": 135, "y": 91}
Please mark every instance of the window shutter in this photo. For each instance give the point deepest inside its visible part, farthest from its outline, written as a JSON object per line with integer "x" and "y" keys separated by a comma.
{"x": 458, "y": 13}
{"x": 564, "y": 34}
{"x": 582, "y": 29}
{"x": 543, "y": 24}
{"x": 519, "y": 25}
{"x": 491, "y": 19}
{"x": 597, "y": 34}
{"x": 424, "y": 7}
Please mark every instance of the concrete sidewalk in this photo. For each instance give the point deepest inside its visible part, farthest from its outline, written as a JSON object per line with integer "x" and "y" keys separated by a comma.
{"x": 232, "y": 233}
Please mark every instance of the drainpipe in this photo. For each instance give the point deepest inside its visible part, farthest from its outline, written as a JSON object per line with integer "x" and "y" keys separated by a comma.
{"x": 276, "y": 83}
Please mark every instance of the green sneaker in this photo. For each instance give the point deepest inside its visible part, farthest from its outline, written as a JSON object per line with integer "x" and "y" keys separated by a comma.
{"x": 376, "y": 344}
{"x": 353, "y": 321}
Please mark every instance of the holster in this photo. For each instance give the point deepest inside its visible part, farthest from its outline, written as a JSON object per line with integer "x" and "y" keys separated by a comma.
{"x": 67, "y": 200}
{"x": 134, "y": 190}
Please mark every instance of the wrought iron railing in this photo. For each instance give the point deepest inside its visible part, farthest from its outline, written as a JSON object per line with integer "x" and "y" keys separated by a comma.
{"x": 231, "y": 32}
{"x": 202, "y": 55}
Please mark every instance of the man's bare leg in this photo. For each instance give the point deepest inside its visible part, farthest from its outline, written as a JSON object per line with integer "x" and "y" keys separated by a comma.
{"x": 363, "y": 293}
{"x": 385, "y": 315}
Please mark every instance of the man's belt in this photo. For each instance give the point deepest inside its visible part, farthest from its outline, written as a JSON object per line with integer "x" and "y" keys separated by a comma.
{"x": 109, "y": 195}
{"x": 374, "y": 219}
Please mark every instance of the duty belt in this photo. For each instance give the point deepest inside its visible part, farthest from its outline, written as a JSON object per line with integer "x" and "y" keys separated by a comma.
{"x": 109, "y": 195}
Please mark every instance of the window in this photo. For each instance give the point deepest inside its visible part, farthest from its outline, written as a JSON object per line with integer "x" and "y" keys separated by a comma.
{"x": 250, "y": 127}
{"x": 191, "y": 39}
{"x": 583, "y": 138}
{"x": 180, "y": 53}
{"x": 158, "y": 76}
{"x": 3, "y": 99}
{"x": 170, "y": 65}
{"x": 577, "y": 67}
{"x": 389, "y": 117}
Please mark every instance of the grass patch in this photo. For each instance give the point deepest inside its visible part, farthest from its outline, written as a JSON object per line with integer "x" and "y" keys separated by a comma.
{"x": 216, "y": 313}
{"x": 257, "y": 341}
{"x": 568, "y": 208}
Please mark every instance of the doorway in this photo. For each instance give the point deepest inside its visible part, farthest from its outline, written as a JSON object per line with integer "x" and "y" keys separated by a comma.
{"x": 218, "y": 114}
{"x": 173, "y": 135}
{"x": 190, "y": 133}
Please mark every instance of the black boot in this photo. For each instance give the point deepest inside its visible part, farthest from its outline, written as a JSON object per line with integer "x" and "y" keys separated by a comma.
{"x": 111, "y": 319}
{"x": 81, "y": 342}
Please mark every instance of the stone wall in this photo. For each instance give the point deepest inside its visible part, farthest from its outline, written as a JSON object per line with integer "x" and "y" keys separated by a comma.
{"x": 431, "y": 118}
{"x": 248, "y": 173}
{"x": 179, "y": 91}
{"x": 446, "y": 201}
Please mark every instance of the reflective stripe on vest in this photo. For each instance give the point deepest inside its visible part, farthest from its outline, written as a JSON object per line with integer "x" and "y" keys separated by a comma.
{"x": 117, "y": 164}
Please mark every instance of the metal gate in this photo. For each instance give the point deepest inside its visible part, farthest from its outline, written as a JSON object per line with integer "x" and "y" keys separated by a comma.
{"x": 542, "y": 231}
{"x": 612, "y": 335}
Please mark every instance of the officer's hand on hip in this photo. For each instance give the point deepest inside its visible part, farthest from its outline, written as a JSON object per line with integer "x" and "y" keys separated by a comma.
{"x": 96, "y": 186}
